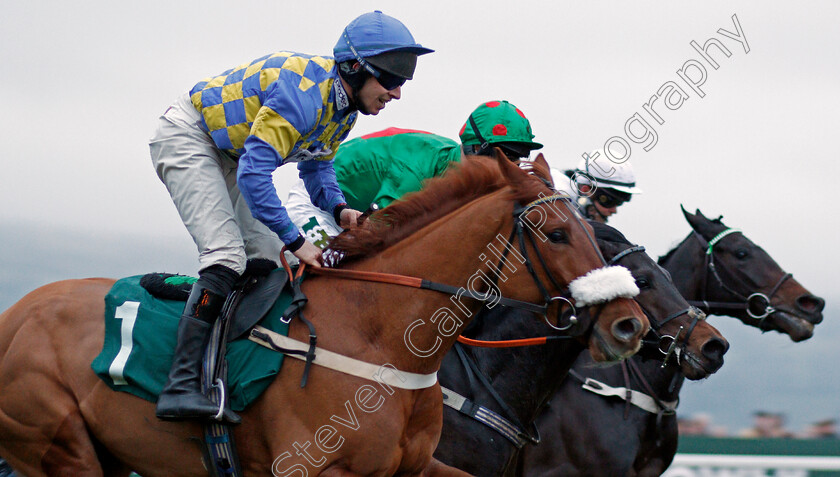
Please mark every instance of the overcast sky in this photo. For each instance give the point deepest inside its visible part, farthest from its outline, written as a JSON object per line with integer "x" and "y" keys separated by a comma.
{"x": 84, "y": 83}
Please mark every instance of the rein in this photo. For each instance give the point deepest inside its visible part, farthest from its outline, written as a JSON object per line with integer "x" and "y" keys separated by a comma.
{"x": 573, "y": 318}
{"x": 420, "y": 283}
{"x": 760, "y": 300}
{"x": 518, "y": 231}
{"x": 510, "y": 427}
{"x": 295, "y": 310}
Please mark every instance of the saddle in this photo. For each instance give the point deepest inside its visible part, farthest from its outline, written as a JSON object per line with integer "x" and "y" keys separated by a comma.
{"x": 141, "y": 320}
{"x": 259, "y": 295}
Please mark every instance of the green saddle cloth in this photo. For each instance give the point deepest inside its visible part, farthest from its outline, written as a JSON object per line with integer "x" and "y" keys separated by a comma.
{"x": 140, "y": 336}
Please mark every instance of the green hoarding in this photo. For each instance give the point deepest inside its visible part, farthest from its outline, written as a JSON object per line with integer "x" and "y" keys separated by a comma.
{"x": 734, "y": 457}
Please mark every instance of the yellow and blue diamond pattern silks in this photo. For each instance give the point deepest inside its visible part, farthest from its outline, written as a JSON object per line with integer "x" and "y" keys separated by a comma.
{"x": 285, "y": 99}
{"x": 284, "y": 107}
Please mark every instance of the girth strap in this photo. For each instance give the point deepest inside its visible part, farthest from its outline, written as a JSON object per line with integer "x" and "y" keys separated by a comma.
{"x": 636, "y": 398}
{"x": 354, "y": 367}
{"x": 487, "y": 417}
{"x": 508, "y": 427}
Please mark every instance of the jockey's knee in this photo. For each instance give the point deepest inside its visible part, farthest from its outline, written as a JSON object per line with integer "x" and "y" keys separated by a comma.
{"x": 231, "y": 258}
{"x": 217, "y": 278}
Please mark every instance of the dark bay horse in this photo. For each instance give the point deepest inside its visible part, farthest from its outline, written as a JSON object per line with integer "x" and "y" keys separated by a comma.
{"x": 587, "y": 434}
{"x": 514, "y": 383}
{"x": 739, "y": 279}
{"x": 58, "y": 418}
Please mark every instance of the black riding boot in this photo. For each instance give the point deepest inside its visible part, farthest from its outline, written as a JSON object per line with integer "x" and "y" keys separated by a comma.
{"x": 182, "y": 398}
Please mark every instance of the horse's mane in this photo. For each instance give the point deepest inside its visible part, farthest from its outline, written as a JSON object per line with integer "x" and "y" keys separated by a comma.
{"x": 463, "y": 182}
{"x": 664, "y": 258}
{"x": 608, "y": 233}
{"x": 717, "y": 223}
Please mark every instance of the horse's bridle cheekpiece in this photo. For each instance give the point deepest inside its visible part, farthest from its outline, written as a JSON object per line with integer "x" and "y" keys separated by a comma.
{"x": 668, "y": 345}
{"x": 760, "y": 300}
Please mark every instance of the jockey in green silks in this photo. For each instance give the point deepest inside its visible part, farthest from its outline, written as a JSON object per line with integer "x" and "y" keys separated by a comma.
{"x": 379, "y": 168}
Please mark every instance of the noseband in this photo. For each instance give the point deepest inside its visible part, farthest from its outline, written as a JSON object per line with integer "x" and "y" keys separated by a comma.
{"x": 760, "y": 300}
{"x": 666, "y": 344}
{"x": 519, "y": 233}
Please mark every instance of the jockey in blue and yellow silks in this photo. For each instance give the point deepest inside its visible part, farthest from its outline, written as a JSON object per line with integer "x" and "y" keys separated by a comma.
{"x": 278, "y": 109}
{"x": 215, "y": 150}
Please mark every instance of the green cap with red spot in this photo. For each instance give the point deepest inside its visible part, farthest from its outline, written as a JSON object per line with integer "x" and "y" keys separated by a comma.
{"x": 497, "y": 122}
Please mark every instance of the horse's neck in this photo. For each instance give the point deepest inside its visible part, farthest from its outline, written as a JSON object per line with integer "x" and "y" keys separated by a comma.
{"x": 687, "y": 267}
{"x": 524, "y": 377}
{"x": 660, "y": 379}
{"x": 414, "y": 328}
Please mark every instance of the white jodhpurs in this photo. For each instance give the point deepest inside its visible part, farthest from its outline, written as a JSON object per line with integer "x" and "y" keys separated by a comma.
{"x": 202, "y": 182}
{"x": 316, "y": 225}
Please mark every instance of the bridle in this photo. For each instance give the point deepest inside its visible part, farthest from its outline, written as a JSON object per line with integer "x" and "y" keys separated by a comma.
{"x": 508, "y": 424}
{"x": 296, "y": 309}
{"x": 756, "y": 300}
{"x": 520, "y": 232}
{"x": 668, "y": 345}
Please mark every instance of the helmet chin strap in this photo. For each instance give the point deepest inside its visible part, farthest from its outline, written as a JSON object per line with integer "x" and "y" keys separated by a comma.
{"x": 357, "y": 103}
{"x": 351, "y": 75}
{"x": 484, "y": 147}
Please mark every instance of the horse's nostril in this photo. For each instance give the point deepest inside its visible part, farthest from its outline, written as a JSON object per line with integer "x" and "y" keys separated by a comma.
{"x": 626, "y": 329}
{"x": 810, "y": 304}
{"x": 714, "y": 349}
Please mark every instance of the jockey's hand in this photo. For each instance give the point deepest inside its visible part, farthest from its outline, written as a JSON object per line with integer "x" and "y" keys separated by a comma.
{"x": 349, "y": 218}
{"x": 310, "y": 255}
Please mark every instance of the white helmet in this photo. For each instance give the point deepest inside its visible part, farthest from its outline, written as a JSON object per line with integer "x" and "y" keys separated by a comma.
{"x": 607, "y": 174}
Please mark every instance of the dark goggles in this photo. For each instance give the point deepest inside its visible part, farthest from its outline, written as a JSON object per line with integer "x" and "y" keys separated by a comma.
{"x": 512, "y": 154}
{"x": 388, "y": 81}
{"x": 608, "y": 199}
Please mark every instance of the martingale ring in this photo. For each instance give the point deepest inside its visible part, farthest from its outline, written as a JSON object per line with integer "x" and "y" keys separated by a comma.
{"x": 573, "y": 319}
{"x": 666, "y": 344}
{"x": 768, "y": 310}
{"x": 671, "y": 348}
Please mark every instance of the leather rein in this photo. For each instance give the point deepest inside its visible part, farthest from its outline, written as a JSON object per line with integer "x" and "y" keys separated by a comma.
{"x": 668, "y": 345}
{"x": 521, "y": 232}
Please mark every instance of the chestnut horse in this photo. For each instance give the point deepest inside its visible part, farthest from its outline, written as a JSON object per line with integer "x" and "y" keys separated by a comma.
{"x": 515, "y": 382}
{"x": 58, "y": 418}
{"x": 642, "y": 443}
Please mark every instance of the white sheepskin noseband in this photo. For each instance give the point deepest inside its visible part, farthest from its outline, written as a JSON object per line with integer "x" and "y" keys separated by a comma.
{"x": 602, "y": 285}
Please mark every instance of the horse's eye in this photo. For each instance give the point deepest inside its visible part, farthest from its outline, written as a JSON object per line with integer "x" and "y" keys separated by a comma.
{"x": 642, "y": 283}
{"x": 741, "y": 254}
{"x": 557, "y": 236}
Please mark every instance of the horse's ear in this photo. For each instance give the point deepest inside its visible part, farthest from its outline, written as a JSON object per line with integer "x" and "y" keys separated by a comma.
{"x": 499, "y": 155}
{"x": 512, "y": 172}
{"x": 543, "y": 169}
{"x": 695, "y": 220}
{"x": 688, "y": 216}
{"x": 540, "y": 159}
{"x": 703, "y": 225}
{"x": 717, "y": 220}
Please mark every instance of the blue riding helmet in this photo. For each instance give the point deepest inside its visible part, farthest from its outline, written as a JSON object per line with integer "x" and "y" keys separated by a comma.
{"x": 378, "y": 35}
